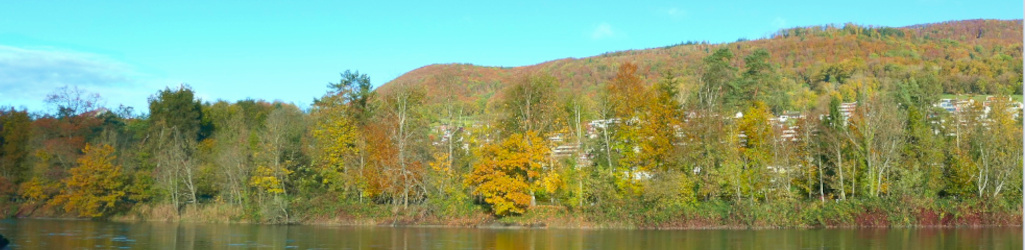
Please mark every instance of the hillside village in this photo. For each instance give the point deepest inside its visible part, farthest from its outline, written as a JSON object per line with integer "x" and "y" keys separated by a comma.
{"x": 784, "y": 129}
{"x": 784, "y": 126}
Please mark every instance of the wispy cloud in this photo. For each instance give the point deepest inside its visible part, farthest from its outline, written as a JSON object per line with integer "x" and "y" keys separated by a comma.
{"x": 779, "y": 23}
{"x": 675, "y": 13}
{"x": 27, "y": 75}
{"x": 602, "y": 31}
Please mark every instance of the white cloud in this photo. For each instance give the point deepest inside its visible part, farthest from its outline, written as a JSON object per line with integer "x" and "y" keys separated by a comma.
{"x": 676, "y": 13}
{"x": 602, "y": 31}
{"x": 779, "y": 23}
{"x": 28, "y": 75}
{"x": 20, "y": 67}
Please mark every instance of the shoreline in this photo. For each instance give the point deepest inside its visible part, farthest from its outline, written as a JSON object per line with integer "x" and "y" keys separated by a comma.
{"x": 853, "y": 214}
{"x": 534, "y": 227}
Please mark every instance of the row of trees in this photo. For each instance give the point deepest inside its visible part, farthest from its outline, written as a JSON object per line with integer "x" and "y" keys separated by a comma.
{"x": 94, "y": 162}
{"x": 675, "y": 141}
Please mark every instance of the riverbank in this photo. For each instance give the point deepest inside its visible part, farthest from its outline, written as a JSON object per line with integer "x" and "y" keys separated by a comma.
{"x": 79, "y": 234}
{"x": 871, "y": 213}
{"x": 836, "y": 214}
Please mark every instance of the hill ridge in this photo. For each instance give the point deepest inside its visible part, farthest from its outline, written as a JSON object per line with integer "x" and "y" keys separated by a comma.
{"x": 799, "y": 53}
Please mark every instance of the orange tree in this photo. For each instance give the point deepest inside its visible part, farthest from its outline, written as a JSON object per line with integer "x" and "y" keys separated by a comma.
{"x": 507, "y": 170}
{"x": 96, "y": 185}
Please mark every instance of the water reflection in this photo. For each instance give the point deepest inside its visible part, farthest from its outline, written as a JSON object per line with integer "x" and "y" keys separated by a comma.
{"x": 64, "y": 234}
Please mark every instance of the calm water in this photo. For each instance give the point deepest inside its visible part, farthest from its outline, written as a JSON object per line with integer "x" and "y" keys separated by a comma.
{"x": 63, "y": 234}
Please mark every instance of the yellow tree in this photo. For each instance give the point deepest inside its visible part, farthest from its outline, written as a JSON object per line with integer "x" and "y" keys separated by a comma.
{"x": 335, "y": 138}
{"x": 441, "y": 177}
{"x": 756, "y": 150}
{"x": 529, "y": 106}
{"x": 660, "y": 125}
{"x": 509, "y": 170}
{"x": 268, "y": 179}
{"x": 40, "y": 189}
{"x": 96, "y": 185}
{"x": 657, "y": 133}
{"x": 342, "y": 152}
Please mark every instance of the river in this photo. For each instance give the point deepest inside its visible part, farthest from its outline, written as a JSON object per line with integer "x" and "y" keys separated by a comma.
{"x": 78, "y": 234}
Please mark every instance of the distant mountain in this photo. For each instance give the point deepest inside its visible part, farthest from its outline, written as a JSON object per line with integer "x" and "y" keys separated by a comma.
{"x": 971, "y": 56}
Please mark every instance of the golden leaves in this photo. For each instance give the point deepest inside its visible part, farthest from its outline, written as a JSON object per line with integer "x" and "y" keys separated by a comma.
{"x": 508, "y": 170}
{"x": 95, "y": 186}
{"x": 335, "y": 136}
{"x": 266, "y": 179}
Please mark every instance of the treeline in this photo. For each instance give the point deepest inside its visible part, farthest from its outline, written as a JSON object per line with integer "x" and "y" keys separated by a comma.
{"x": 647, "y": 150}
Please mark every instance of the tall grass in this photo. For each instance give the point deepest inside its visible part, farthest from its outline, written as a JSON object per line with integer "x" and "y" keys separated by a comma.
{"x": 862, "y": 212}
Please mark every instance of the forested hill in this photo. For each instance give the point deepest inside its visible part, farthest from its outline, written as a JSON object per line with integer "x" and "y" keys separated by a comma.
{"x": 964, "y": 57}
{"x": 687, "y": 136}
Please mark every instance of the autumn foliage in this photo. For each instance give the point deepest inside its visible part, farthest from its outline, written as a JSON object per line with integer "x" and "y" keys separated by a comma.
{"x": 507, "y": 172}
{"x": 809, "y": 123}
{"x": 969, "y": 56}
{"x": 96, "y": 186}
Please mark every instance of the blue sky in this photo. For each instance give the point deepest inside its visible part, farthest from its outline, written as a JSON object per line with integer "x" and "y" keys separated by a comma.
{"x": 289, "y": 51}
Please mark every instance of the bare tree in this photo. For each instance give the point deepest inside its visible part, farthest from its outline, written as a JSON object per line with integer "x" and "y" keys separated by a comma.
{"x": 785, "y": 158}
{"x": 605, "y": 110}
{"x": 233, "y": 156}
{"x": 1008, "y": 143}
{"x": 878, "y": 135}
{"x": 995, "y": 145}
{"x": 72, "y": 101}
{"x": 280, "y": 143}
{"x": 406, "y": 127}
{"x": 176, "y": 166}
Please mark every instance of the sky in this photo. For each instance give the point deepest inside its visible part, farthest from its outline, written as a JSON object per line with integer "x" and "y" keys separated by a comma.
{"x": 290, "y": 50}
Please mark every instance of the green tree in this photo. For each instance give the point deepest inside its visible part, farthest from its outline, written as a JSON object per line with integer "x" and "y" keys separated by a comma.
{"x": 923, "y": 163}
{"x": 356, "y": 94}
{"x": 835, "y": 141}
{"x": 177, "y": 110}
{"x": 718, "y": 74}
{"x": 756, "y": 83}
{"x": 177, "y": 126}
{"x": 15, "y": 130}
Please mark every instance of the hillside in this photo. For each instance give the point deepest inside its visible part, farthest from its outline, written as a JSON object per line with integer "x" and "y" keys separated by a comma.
{"x": 971, "y": 56}
{"x": 871, "y": 150}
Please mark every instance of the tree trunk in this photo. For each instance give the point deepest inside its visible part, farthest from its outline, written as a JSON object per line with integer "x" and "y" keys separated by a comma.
{"x": 839, "y": 165}
{"x": 822, "y": 192}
